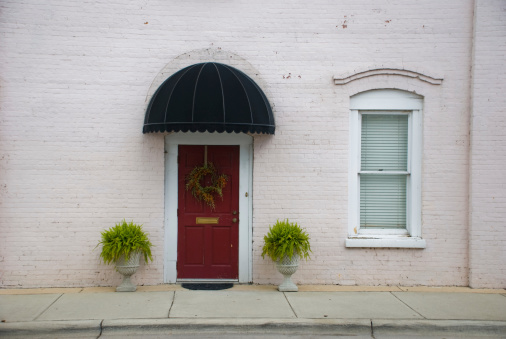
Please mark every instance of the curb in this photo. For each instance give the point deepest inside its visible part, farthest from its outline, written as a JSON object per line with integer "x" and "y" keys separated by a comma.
{"x": 364, "y": 327}
{"x": 239, "y": 325}
{"x": 439, "y": 327}
{"x": 51, "y": 329}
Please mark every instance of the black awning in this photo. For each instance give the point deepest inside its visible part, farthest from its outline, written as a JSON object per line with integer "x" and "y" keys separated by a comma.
{"x": 209, "y": 97}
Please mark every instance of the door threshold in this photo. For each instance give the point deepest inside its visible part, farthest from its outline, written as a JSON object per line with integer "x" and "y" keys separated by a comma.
{"x": 209, "y": 281}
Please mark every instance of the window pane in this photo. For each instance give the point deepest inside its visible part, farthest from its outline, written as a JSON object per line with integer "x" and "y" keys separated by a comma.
{"x": 384, "y": 142}
{"x": 383, "y": 201}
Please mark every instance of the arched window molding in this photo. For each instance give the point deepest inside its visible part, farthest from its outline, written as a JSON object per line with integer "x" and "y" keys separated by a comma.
{"x": 344, "y": 79}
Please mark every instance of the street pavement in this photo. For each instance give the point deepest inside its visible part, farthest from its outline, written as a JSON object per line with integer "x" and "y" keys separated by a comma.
{"x": 254, "y": 311}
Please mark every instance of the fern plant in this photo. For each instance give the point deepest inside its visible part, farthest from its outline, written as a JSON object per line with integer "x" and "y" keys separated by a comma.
{"x": 124, "y": 239}
{"x": 285, "y": 238}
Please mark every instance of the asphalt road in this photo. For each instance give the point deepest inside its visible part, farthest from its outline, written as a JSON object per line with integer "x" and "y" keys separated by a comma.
{"x": 277, "y": 336}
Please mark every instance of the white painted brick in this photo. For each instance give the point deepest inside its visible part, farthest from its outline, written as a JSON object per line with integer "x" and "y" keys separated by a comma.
{"x": 74, "y": 83}
{"x": 487, "y": 229}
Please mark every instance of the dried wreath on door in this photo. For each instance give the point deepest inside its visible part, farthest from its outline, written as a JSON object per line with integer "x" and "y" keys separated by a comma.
{"x": 206, "y": 193}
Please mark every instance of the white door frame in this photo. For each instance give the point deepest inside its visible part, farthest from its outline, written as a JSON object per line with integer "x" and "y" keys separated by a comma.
{"x": 245, "y": 142}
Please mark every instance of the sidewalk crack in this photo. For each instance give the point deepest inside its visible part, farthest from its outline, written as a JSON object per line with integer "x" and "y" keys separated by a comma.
{"x": 288, "y": 301}
{"x": 411, "y": 308}
{"x": 372, "y": 331}
{"x": 38, "y": 315}
{"x": 172, "y": 303}
{"x": 101, "y": 328}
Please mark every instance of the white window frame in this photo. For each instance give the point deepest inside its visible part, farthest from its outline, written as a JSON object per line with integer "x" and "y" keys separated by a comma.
{"x": 388, "y": 100}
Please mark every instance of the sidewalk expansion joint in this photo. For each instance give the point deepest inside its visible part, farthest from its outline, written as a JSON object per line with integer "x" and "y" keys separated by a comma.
{"x": 411, "y": 308}
{"x": 38, "y": 315}
{"x": 288, "y": 301}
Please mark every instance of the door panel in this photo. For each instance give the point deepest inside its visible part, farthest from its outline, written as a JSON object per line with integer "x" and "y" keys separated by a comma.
{"x": 221, "y": 249}
{"x": 194, "y": 238}
{"x": 208, "y": 251}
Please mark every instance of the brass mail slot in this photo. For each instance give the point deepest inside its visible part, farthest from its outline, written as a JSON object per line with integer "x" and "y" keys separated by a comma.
{"x": 207, "y": 220}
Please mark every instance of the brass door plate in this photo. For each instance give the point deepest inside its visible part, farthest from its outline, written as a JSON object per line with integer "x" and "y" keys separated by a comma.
{"x": 206, "y": 220}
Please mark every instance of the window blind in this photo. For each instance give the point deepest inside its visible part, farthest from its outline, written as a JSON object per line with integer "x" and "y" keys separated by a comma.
{"x": 384, "y": 149}
{"x": 384, "y": 142}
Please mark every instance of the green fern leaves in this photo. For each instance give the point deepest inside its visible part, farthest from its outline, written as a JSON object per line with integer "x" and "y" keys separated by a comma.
{"x": 285, "y": 238}
{"x": 124, "y": 239}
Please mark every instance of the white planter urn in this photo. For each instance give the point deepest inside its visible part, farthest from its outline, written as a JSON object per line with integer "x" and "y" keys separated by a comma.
{"x": 287, "y": 267}
{"x": 127, "y": 268}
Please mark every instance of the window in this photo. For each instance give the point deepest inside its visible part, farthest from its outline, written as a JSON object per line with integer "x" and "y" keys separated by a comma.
{"x": 385, "y": 170}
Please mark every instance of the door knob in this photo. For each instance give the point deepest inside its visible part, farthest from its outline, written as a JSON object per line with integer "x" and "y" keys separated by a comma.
{"x": 234, "y": 220}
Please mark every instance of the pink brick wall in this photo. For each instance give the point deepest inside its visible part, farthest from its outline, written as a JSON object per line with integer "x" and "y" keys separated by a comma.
{"x": 74, "y": 77}
{"x": 488, "y": 148}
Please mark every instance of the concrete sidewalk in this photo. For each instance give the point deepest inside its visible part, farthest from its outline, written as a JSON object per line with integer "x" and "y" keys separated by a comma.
{"x": 323, "y": 310}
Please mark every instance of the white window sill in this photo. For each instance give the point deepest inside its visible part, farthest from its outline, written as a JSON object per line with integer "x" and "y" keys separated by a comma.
{"x": 385, "y": 242}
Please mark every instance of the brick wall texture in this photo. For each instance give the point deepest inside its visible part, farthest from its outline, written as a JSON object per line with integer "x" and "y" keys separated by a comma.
{"x": 487, "y": 234}
{"x": 74, "y": 86}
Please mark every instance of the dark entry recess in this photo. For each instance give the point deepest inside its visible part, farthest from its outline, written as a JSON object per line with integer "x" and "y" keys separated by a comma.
{"x": 209, "y": 97}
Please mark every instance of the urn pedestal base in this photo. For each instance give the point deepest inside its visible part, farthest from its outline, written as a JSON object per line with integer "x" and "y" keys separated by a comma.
{"x": 287, "y": 267}
{"x": 126, "y": 285}
{"x": 127, "y": 268}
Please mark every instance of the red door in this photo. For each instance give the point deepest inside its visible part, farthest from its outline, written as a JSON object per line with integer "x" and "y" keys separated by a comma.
{"x": 208, "y": 240}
